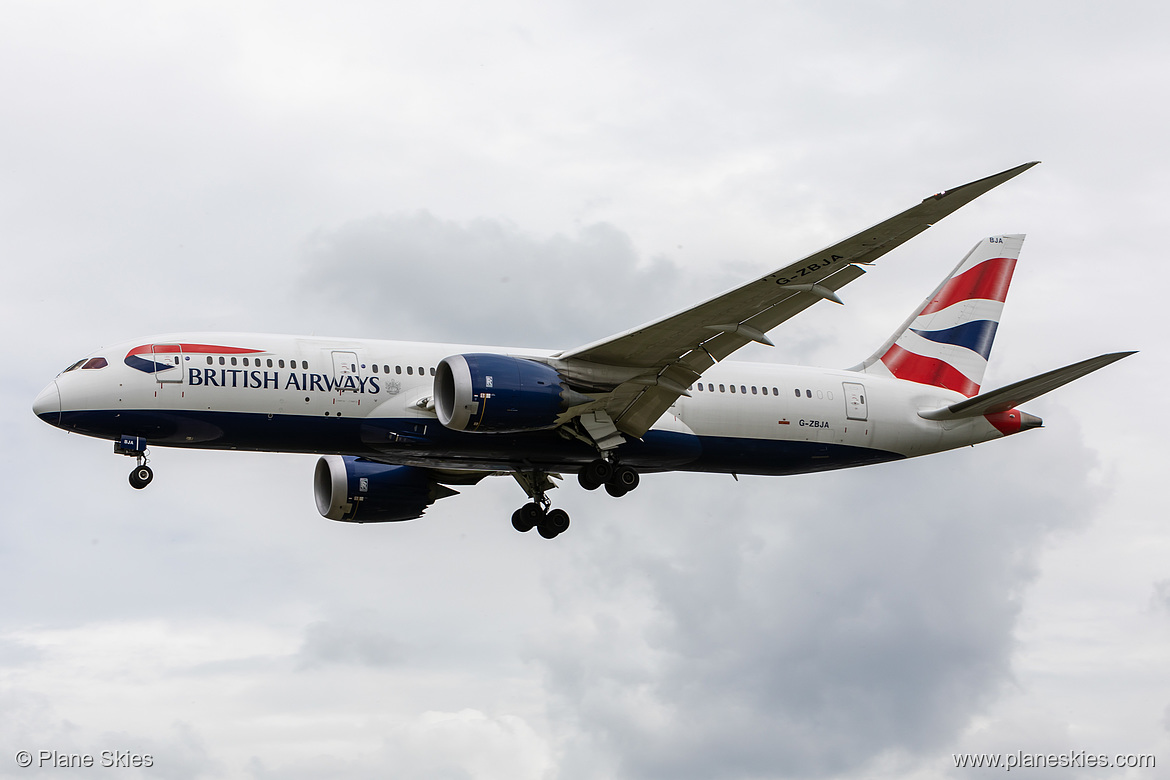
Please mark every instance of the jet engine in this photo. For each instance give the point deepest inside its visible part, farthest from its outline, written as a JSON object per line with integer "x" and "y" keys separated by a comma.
{"x": 357, "y": 490}
{"x": 499, "y": 394}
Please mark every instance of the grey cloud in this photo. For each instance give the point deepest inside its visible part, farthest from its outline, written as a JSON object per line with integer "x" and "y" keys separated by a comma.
{"x": 358, "y": 638}
{"x": 1160, "y": 598}
{"x": 14, "y": 652}
{"x": 487, "y": 280}
{"x": 804, "y": 629}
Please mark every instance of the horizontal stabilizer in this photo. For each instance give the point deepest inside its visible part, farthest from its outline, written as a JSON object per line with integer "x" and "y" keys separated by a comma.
{"x": 1023, "y": 391}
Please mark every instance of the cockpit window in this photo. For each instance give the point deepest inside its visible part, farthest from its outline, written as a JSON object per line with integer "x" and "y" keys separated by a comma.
{"x": 98, "y": 362}
{"x": 75, "y": 365}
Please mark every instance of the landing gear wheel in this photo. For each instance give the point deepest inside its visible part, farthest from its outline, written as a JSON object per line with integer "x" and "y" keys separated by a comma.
{"x": 624, "y": 480}
{"x": 553, "y": 524}
{"x": 527, "y": 516}
{"x": 140, "y": 477}
{"x": 595, "y": 474}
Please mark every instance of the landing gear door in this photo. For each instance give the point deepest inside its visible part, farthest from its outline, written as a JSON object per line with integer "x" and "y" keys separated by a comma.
{"x": 168, "y": 360}
{"x": 855, "y": 408}
{"x": 345, "y": 372}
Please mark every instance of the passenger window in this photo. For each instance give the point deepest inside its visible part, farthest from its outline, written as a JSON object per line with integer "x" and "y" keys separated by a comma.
{"x": 743, "y": 389}
{"x": 221, "y": 360}
{"x": 710, "y": 388}
{"x": 280, "y": 363}
{"x": 764, "y": 390}
{"x": 432, "y": 370}
{"x": 410, "y": 370}
{"x": 420, "y": 371}
{"x": 798, "y": 394}
{"x": 270, "y": 362}
{"x": 233, "y": 361}
{"x": 375, "y": 367}
{"x": 700, "y": 386}
{"x": 733, "y": 388}
{"x": 721, "y": 389}
{"x": 753, "y": 389}
{"x": 98, "y": 362}
{"x": 808, "y": 393}
{"x": 820, "y": 394}
{"x": 210, "y": 360}
{"x": 776, "y": 391}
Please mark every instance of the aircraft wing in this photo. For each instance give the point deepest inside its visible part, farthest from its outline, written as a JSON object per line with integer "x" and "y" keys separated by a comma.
{"x": 649, "y": 367}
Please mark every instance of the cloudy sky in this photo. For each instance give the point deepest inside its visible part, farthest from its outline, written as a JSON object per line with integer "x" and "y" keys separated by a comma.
{"x": 543, "y": 175}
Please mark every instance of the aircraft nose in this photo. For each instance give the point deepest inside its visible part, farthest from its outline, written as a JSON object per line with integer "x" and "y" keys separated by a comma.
{"x": 47, "y": 405}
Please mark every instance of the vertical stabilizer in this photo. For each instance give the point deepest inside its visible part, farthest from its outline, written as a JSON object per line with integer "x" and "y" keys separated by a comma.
{"x": 947, "y": 341}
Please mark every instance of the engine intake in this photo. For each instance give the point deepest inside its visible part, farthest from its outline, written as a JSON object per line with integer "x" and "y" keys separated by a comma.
{"x": 357, "y": 490}
{"x": 488, "y": 393}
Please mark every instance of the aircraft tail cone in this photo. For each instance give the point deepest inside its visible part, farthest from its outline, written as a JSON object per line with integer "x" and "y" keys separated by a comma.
{"x": 1029, "y": 421}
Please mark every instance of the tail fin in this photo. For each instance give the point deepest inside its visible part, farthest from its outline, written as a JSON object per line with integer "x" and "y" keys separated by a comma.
{"x": 947, "y": 341}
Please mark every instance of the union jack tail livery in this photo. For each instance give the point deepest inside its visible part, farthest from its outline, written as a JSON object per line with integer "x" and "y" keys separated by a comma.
{"x": 947, "y": 341}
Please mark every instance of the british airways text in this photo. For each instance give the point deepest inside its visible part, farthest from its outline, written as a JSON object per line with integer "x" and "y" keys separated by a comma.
{"x": 272, "y": 380}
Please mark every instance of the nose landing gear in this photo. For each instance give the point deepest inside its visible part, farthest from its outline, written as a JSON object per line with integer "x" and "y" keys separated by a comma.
{"x": 141, "y": 476}
{"x": 135, "y": 447}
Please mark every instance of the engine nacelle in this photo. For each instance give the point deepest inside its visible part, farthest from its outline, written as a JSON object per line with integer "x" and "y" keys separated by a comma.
{"x": 362, "y": 491}
{"x": 499, "y": 394}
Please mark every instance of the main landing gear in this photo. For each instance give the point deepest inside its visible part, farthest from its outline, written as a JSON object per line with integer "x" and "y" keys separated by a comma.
{"x": 135, "y": 447}
{"x": 537, "y": 514}
{"x": 618, "y": 480}
{"x": 550, "y": 523}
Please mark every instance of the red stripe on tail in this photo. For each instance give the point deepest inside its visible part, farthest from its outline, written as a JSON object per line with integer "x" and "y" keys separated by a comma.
{"x": 904, "y": 364}
{"x": 989, "y": 281}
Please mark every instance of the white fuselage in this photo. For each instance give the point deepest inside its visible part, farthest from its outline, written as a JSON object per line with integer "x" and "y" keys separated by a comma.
{"x": 375, "y": 398}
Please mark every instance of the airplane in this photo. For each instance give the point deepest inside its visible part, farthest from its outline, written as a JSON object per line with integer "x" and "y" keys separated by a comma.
{"x": 397, "y": 424}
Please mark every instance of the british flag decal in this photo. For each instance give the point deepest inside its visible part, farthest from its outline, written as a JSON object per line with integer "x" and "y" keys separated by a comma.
{"x": 141, "y": 357}
{"x": 948, "y": 342}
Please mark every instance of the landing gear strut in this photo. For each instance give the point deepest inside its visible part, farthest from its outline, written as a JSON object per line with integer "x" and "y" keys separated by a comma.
{"x": 618, "y": 480}
{"x": 135, "y": 447}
